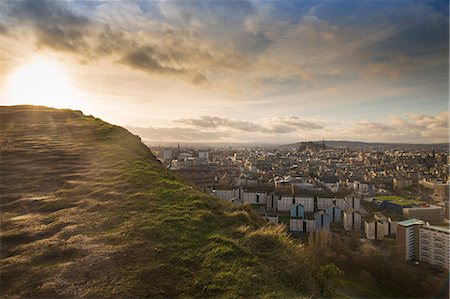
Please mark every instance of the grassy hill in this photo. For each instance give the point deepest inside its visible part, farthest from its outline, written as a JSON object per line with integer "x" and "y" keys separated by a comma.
{"x": 87, "y": 211}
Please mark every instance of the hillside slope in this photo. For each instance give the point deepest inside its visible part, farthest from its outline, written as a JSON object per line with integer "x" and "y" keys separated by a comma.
{"x": 87, "y": 211}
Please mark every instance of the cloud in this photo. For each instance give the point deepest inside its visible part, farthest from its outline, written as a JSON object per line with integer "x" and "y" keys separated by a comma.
{"x": 430, "y": 122}
{"x": 279, "y": 125}
{"x": 412, "y": 128}
{"x": 214, "y": 129}
{"x": 54, "y": 24}
{"x": 381, "y": 70}
{"x": 266, "y": 52}
{"x": 159, "y": 50}
{"x": 176, "y": 134}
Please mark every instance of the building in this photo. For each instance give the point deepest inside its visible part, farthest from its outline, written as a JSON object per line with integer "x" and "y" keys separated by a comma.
{"x": 362, "y": 187}
{"x": 323, "y": 220}
{"x": 434, "y": 244}
{"x": 331, "y": 183}
{"x": 203, "y": 155}
{"x": 297, "y": 211}
{"x": 379, "y": 227}
{"x": 374, "y": 230}
{"x": 335, "y": 214}
{"x": 353, "y": 203}
{"x": 254, "y": 197}
{"x": 323, "y": 202}
{"x": 426, "y": 212}
{"x": 286, "y": 202}
{"x": 272, "y": 201}
{"x": 341, "y": 203}
{"x": 302, "y": 225}
{"x": 401, "y": 183}
{"x": 166, "y": 154}
{"x": 352, "y": 220}
{"x": 390, "y": 227}
{"x": 407, "y": 241}
{"x": 441, "y": 192}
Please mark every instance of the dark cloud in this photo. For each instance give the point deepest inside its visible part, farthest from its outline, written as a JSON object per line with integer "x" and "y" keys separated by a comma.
{"x": 146, "y": 59}
{"x": 3, "y": 29}
{"x": 54, "y": 24}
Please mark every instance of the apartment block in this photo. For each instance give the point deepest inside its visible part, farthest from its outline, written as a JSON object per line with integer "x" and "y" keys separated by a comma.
{"x": 407, "y": 242}
{"x": 434, "y": 244}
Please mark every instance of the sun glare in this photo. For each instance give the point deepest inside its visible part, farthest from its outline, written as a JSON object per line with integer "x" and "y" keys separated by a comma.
{"x": 41, "y": 82}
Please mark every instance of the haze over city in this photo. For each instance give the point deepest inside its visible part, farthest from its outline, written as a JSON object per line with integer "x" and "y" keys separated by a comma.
{"x": 235, "y": 71}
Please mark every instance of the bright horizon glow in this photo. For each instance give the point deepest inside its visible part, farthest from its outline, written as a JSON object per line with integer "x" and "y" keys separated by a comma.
{"x": 41, "y": 81}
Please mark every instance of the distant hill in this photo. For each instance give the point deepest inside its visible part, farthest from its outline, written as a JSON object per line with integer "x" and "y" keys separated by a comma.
{"x": 373, "y": 145}
{"x": 87, "y": 211}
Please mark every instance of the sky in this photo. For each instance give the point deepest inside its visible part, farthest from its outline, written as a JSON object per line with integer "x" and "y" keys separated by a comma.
{"x": 235, "y": 71}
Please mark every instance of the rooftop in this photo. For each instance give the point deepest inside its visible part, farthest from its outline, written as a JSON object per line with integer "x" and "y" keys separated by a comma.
{"x": 438, "y": 228}
{"x": 398, "y": 200}
{"x": 410, "y": 222}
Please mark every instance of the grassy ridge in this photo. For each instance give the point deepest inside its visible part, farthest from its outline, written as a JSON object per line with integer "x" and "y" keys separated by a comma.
{"x": 87, "y": 211}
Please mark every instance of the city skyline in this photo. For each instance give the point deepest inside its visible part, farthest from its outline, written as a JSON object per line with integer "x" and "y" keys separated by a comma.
{"x": 272, "y": 72}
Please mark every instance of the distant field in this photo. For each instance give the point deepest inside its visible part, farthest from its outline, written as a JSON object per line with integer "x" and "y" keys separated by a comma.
{"x": 398, "y": 200}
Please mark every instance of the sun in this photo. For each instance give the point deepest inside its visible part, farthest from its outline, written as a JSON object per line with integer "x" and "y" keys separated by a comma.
{"x": 42, "y": 81}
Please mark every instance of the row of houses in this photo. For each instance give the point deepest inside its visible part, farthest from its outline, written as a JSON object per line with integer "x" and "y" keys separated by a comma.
{"x": 282, "y": 202}
{"x": 322, "y": 220}
{"x": 306, "y": 213}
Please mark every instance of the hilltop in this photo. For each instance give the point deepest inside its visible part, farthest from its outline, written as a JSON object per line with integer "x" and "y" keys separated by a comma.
{"x": 87, "y": 211}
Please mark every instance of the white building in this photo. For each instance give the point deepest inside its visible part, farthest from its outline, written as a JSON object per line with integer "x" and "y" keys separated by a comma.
{"x": 272, "y": 201}
{"x": 286, "y": 202}
{"x": 407, "y": 239}
{"x": 203, "y": 155}
{"x": 374, "y": 230}
{"x": 323, "y": 203}
{"x": 227, "y": 194}
{"x": 351, "y": 220}
{"x": 361, "y": 187}
{"x": 353, "y": 202}
{"x": 434, "y": 244}
{"x": 349, "y": 202}
{"x": 254, "y": 197}
{"x": 166, "y": 154}
{"x": 302, "y": 225}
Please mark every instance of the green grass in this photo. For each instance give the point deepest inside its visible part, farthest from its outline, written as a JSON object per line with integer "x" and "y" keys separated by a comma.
{"x": 398, "y": 200}
{"x": 87, "y": 211}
